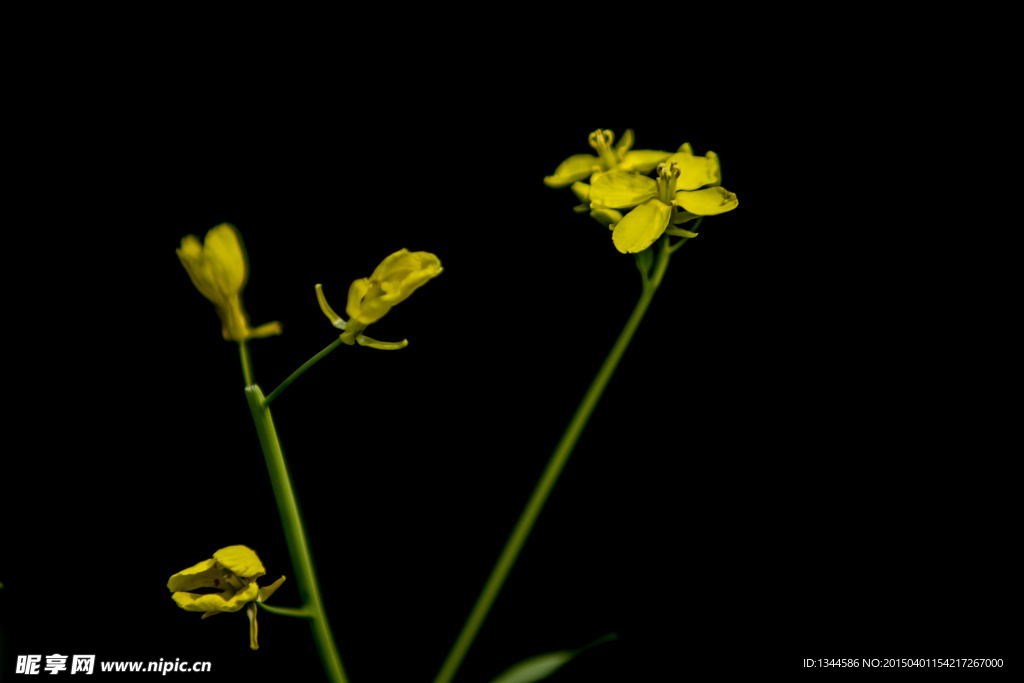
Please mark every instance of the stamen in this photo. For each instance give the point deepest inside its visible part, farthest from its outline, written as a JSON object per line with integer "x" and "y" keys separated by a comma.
{"x": 673, "y": 178}
{"x": 670, "y": 169}
{"x": 668, "y": 174}
{"x": 601, "y": 140}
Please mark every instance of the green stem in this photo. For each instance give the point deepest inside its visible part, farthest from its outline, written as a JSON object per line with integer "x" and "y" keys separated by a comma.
{"x": 326, "y": 351}
{"x": 243, "y": 353}
{"x": 291, "y": 522}
{"x": 554, "y": 468}
{"x": 299, "y": 612}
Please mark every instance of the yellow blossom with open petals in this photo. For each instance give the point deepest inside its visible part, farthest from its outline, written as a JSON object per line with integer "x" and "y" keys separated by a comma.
{"x": 225, "y": 582}
{"x": 370, "y": 298}
{"x": 687, "y": 187}
{"x": 218, "y": 269}
{"x": 579, "y": 167}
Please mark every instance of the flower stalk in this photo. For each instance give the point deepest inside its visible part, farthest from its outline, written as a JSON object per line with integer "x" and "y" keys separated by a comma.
{"x": 301, "y": 370}
{"x": 294, "y": 531}
{"x": 554, "y": 468}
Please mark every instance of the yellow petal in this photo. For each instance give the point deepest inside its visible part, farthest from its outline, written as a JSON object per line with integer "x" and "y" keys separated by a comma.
{"x": 191, "y": 248}
{"x": 716, "y": 168}
{"x": 199, "y": 575}
{"x": 694, "y": 171}
{"x": 393, "y": 281}
{"x": 247, "y": 594}
{"x": 216, "y": 602}
{"x": 643, "y": 160}
{"x": 241, "y": 561}
{"x": 395, "y": 261}
{"x": 625, "y": 143}
{"x": 621, "y": 190}
{"x": 710, "y": 201}
{"x": 223, "y": 249}
{"x": 191, "y": 256}
{"x": 576, "y": 167}
{"x": 190, "y": 602}
{"x": 403, "y": 272}
{"x": 364, "y": 303}
{"x": 639, "y": 228}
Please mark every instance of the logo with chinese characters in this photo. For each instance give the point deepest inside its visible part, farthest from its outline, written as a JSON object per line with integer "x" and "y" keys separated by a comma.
{"x": 55, "y": 663}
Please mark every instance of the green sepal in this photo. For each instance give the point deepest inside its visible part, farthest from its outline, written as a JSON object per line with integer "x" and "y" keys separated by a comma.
{"x": 644, "y": 261}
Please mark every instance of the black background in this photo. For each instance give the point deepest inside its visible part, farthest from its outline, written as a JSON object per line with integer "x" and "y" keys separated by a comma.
{"x": 803, "y": 454}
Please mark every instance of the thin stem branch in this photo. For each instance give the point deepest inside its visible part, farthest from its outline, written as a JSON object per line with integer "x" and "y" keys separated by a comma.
{"x": 561, "y": 454}
{"x": 326, "y": 351}
{"x": 300, "y": 612}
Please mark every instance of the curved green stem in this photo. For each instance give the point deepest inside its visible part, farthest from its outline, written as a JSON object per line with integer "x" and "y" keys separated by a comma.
{"x": 291, "y": 523}
{"x": 299, "y": 612}
{"x": 561, "y": 454}
{"x": 326, "y": 351}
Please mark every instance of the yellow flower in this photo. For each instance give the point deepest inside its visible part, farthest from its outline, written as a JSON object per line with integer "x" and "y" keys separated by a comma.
{"x": 218, "y": 269}
{"x": 687, "y": 187}
{"x": 581, "y": 166}
{"x": 228, "y": 582}
{"x": 370, "y": 298}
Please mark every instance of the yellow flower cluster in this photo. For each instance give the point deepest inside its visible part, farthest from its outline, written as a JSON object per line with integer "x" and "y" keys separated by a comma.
{"x": 687, "y": 187}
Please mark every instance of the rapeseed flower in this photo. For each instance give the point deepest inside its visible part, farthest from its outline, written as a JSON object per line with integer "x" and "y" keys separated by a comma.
{"x": 227, "y": 582}
{"x": 219, "y": 271}
{"x": 687, "y": 187}
{"x": 370, "y": 298}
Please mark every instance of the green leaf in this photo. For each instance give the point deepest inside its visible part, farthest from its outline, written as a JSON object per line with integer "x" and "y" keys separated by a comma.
{"x": 542, "y": 666}
{"x": 535, "y": 668}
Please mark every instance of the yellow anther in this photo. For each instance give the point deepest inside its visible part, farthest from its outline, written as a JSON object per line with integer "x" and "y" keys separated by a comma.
{"x": 600, "y": 139}
{"x": 669, "y": 170}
